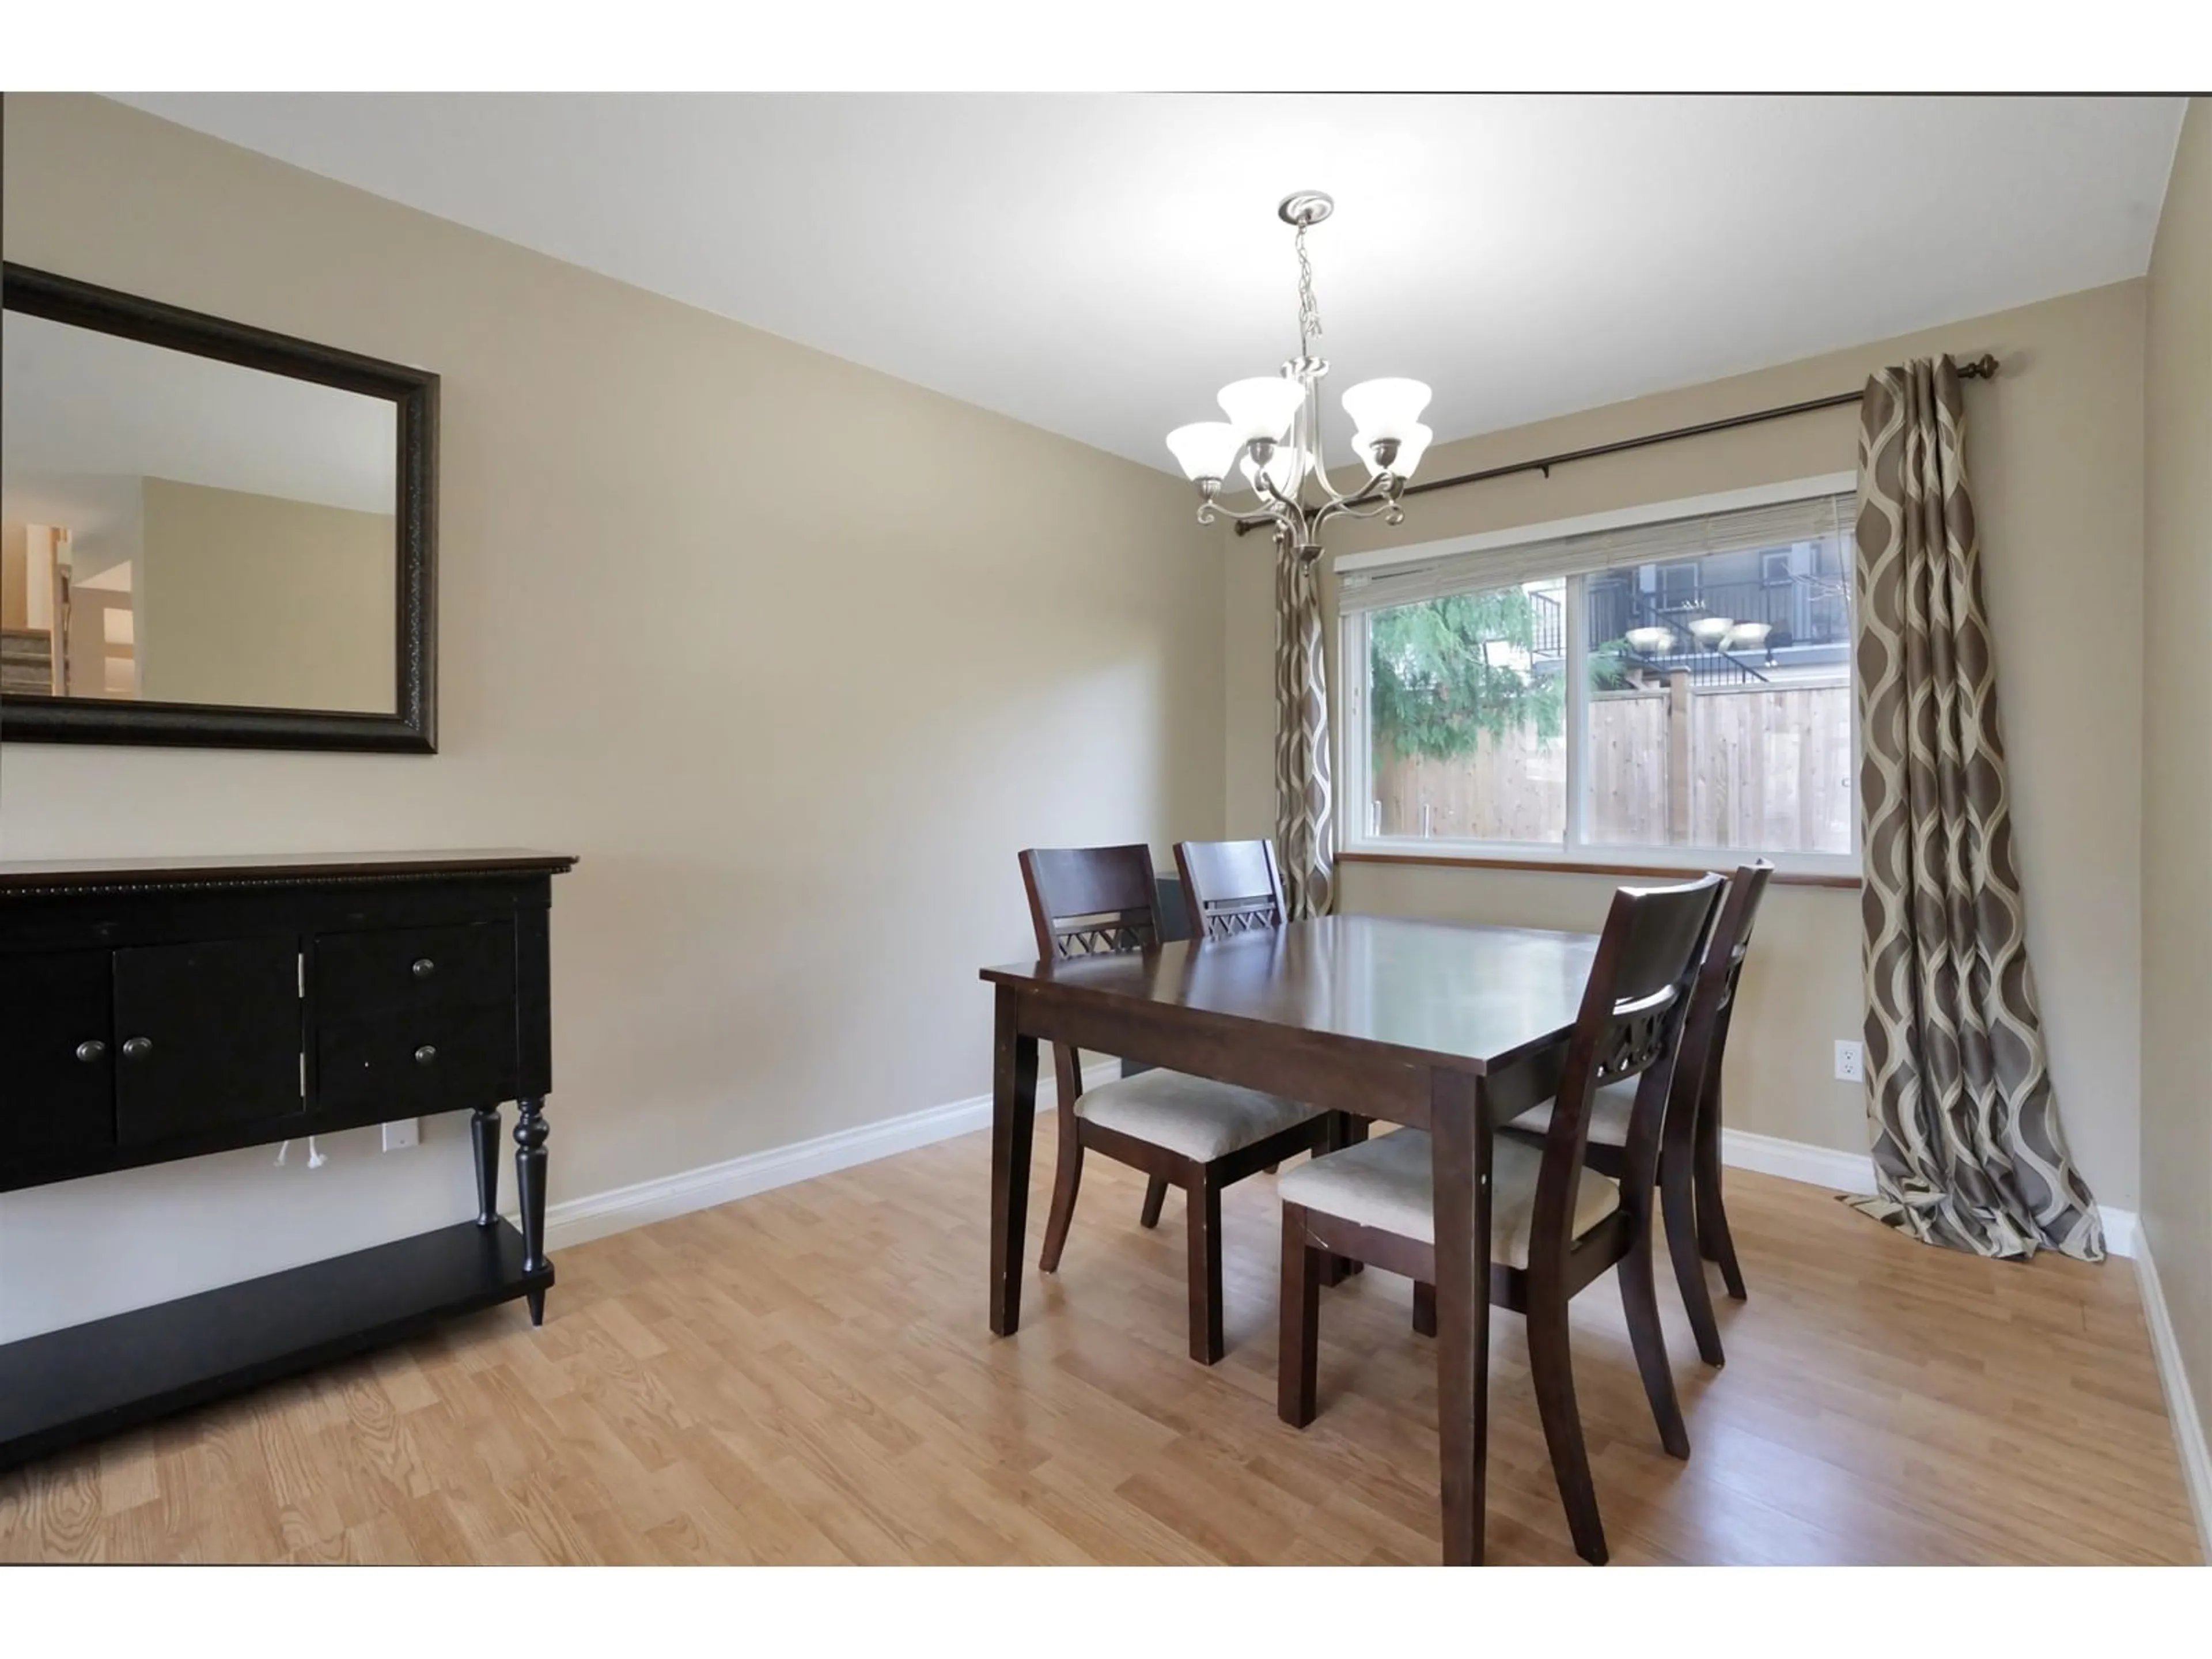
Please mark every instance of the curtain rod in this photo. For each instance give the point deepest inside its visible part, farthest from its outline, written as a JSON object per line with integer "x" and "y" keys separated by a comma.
{"x": 1983, "y": 368}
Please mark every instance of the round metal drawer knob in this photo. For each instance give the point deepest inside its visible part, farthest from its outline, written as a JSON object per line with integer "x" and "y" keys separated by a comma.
{"x": 422, "y": 968}
{"x": 91, "y": 1050}
{"x": 138, "y": 1048}
{"x": 425, "y": 1055}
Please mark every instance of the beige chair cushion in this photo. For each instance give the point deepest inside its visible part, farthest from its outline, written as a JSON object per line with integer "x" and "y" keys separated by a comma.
{"x": 1193, "y": 1116}
{"x": 1384, "y": 1183}
{"x": 1608, "y": 1120}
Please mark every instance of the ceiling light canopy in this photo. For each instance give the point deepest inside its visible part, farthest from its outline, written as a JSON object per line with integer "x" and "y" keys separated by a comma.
{"x": 1273, "y": 435}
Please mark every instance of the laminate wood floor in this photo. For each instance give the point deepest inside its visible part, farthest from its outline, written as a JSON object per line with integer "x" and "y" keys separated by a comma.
{"x": 805, "y": 1376}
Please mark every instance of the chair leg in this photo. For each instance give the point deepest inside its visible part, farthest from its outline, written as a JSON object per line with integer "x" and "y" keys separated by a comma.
{"x": 1297, "y": 1350}
{"x": 1714, "y": 1240}
{"x": 1156, "y": 1194}
{"x": 1205, "y": 1199}
{"x": 1424, "y": 1309}
{"x": 1640, "y": 1304}
{"x": 1335, "y": 1270}
{"x": 1067, "y": 1176}
{"x": 1679, "y": 1206}
{"x": 1344, "y": 1130}
{"x": 1551, "y": 1369}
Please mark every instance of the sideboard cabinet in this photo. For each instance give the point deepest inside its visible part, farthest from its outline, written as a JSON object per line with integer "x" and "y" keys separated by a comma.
{"x": 151, "y": 1011}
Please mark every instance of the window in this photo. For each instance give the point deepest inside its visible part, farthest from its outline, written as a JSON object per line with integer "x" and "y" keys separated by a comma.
{"x": 1651, "y": 688}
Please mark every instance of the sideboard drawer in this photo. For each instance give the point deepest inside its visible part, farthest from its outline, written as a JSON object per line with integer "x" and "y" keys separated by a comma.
{"x": 417, "y": 1065}
{"x": 403, "y": 970}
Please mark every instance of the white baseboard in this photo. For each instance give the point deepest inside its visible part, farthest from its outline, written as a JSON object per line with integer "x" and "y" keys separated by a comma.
{"x": 2180, "y": 1404}
{"x": 579, "y": 1220}
{"x": 1853, "y": 1172}
{"x": 1797, "y": 1160}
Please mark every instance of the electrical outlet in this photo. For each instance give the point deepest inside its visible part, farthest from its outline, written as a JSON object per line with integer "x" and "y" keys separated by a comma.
{"x": 407, "y": 1132}
{"x": 1850, "y": 1062}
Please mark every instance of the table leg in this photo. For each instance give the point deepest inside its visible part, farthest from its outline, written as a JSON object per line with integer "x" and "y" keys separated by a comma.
{"x": 484, "y": 1130}
{"x": 1014, "y": 1124}
{"x": 1460, "y": 1164}
{"x": 530, "y": 1133}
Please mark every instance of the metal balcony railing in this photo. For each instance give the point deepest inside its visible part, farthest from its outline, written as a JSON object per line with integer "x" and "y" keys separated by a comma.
{"x": 1768, "y": 618}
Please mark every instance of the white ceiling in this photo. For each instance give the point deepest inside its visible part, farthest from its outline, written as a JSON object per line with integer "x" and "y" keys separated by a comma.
{"x": 1098, "y": 264}
{"x": 83, "y": 404}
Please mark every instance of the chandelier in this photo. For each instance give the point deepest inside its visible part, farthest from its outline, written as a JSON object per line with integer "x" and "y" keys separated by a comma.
{"x": 1273, "y": 435}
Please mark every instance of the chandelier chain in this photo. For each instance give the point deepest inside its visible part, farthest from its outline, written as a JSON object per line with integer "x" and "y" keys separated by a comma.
{"x": 1308, "y": 311}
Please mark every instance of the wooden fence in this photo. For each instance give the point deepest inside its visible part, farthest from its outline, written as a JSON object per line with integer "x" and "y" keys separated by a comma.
{"x": 1762, "y": 767}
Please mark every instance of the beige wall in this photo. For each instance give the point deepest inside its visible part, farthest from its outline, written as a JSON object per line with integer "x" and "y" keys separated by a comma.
{"x": 2055, "y": 450}
{"x": 256, "y": 600}
{"x": 922, "y": 637}
{"x": 2177, "y": 826}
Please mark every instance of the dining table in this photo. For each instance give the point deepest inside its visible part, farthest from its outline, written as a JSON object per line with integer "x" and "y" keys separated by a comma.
{"x": 1446, "y": 1028}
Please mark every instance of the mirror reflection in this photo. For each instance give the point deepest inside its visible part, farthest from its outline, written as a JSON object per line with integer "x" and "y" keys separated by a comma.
{"x": 178, "y": 529}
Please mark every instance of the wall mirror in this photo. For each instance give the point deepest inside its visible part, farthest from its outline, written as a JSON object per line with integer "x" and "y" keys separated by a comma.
{"x": 209, "y": 534}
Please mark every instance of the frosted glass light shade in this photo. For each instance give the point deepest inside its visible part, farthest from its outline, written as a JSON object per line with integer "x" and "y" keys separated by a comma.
{"x": 1386, "y": 409}
{"x": 1411, "y": 448}
{"x": 1262, "y": 407}
{"x": 1205, "y": 449}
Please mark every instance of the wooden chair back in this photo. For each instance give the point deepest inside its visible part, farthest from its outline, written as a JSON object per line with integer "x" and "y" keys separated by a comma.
{"x": 1739, "y": 911}
{"x": 1086, "y": 901}
{"x": 1713, "y": 1004}
{"x": 1089, "y": 901}
{"x": 1230, "y": 887}
{"x": 1633, "y": 1010}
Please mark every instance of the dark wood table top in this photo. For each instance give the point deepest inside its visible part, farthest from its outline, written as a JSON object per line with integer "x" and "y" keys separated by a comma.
{"x": 24, "y": 875}
{"x": 1430, "y": 993}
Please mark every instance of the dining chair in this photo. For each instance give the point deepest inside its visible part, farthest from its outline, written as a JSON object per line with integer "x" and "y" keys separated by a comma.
{"x": 1690, "y": 1134}
{"x": 1231, "y": 888}
{"x": 1181, "y": 1131}
{"x": 1556, "y": 1223}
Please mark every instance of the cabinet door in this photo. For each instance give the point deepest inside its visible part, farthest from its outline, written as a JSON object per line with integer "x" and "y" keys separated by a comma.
{"x": 57, "y": 1055}
{"x": 207, "y": 1035}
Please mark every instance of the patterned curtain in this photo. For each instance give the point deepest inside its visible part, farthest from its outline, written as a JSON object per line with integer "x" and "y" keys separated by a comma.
{"x": 1968, "y": 1149}
{"x": 1302, "y": 787}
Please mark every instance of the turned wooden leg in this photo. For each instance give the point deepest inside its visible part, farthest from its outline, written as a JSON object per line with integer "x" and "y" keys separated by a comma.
{"x": 1205, "y": 1199}
{"x": 1297, "y": 1349}
{"x": 1066, "y": 1177}
{"x": 1156, "y": 1194}
{"x": 530, "y": 1133}
{"x": 484, "y": 1130}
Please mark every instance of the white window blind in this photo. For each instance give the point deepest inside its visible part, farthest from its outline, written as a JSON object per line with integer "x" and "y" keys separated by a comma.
{"x": 1743, "y": 530}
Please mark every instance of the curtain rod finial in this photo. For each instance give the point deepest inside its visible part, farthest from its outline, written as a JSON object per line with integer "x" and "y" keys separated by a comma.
{"x": 1984, "y": 368}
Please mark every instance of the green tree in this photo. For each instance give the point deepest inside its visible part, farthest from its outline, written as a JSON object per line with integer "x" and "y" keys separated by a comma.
{"x": 1447, "y": 672}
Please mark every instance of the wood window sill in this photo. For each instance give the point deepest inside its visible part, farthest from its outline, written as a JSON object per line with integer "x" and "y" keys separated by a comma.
{"x": 1553, "y": 866}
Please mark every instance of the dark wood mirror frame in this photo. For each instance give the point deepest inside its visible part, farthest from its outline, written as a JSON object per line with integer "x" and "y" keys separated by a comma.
{"x": 413, "y": 726}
